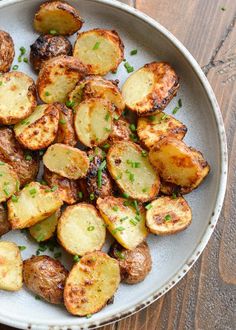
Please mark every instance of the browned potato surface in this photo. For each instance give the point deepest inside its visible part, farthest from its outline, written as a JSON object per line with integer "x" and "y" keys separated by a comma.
{"x": 134, "y": 264}
{"x": 120, "y": 131}
{"x": 7, "y": 51}
{"x": 45, "y": 277}
{"x": 5, "y": 226}
{"x": 46, "y": 47}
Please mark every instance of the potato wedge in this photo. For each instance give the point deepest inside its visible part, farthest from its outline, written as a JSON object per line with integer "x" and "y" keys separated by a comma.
{"x": 7, "y": 51}
{"x": 81, "y": 229}
{"x": 120, "y": 131}
{"x": 124, "y": 221}
{"x": 95, "y": 86}
{"x": 10, "y": 267}
{"x": 17, "y": 97}
{"x": 45, "y": 229}
{"x": 177, "y": 163}
{"x": 99, "y": 50}
{"x": 91, "y": 283}
{"x": 5, "y": 226}
{"x": 23, "y": 163}
{"x": 57, "y": 77}
{"x": 9, "y": 181}
{"x": 152, "y": 129}
{"x": 167, "y": 216}
{"x": 66, "y": 161}
{"x": 57, "y": 16}
{"x": 129, "y": 166}
{"x": 93, "y": 121}
{"x": 38, "y": 130}
{"x": 149, "y": 90}
{"x": 41, "y": 202}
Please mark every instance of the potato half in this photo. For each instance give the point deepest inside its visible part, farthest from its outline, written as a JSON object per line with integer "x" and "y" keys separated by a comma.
{"x": 91, "y": 283}
{"x": 7, "y": 51}
{"x": 81, "y": 229}
{"x": 177, "y": 163}
{"x": 99, "y": 50}
{"x": 95, "y": 86}
{"x": 152, "y": 129}
{"x": 57, "y": 77}
{"x": 66, "y": 161}
{"x": 34, "y": 203}
{"x": 17, "y": 97}
{"x": 9, "y": 181}
{"x": 38, "y": 130}
{"x": 124, "y": 221}
{"x": 93, "y": 121}
{"x": 58, "y": 17}
{"x": 130, "y": 168}
{"x": 10, "y": 267}
{"x": 5, "y": 226}
{"x": 167, "y": 216}
{"x": 150, "y": 89}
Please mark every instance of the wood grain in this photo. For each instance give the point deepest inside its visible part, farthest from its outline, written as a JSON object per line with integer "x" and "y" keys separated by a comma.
{"x": 205, "y": 299}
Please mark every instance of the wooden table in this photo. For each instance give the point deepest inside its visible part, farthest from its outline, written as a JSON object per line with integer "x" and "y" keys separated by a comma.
{"x": 205, "y": 298}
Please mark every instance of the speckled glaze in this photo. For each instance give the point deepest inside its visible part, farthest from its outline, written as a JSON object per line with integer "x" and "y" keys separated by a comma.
{"x": 172, "y": 256}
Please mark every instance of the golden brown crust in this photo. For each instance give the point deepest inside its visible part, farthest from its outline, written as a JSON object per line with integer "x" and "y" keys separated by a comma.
{"x": 5, "y": 225}
{"x": 7, "y": 51}
{"x": 120, "y": 131}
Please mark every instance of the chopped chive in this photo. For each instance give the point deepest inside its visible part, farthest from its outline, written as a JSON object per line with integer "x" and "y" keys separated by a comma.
{"x": 62, "y": 121}
{"x": 115, "y": 116}
{"x": 88, "y": 316}
{"x": 14, "y": 198}
{"x": 1, "y": 174}
{"x": 133, "y": 222}
{"x": 17, "y": 186}
{"x": 24, "y": 122}
{"x": 128, "y": 67}
{"x": 32, "y": 191}
{"x": 174, "y": 196}
{"x": 6, "y": 192}
{"x": 0, "y": 83}
{"x": 15, "y": 67}
{"x": 164, "y": 116}
{"x": 135, "y": 203}
{"x": 144, "y": 153}
{"x": 167, "y": 218}
{"x": 132, "y": 127}
{"x": 91, "y": 196}
{"x": 70, "y": 104}
{"x": 101, "y": 168}
{"x": 175, "y": 110}
{"x": 53, "y": 32}
{"x": 144, "y": 190}
{"x": 37, "y": 297}
{"x": 115, "y": 208}
{"x": 96, "y": 46}
{"x": 47, "y": 93}
{"x": 107, "y": 129}
{"x": 123, "y": 219}
{"x": 107, "y": 116}
{"x": 125, "y": 195}
{"x": 148, "y": 207}
{"x": 133, "y": 137}
{"x": 19, "y": 59}
{"x": 180, "y": 103}
{"x": 44, "y": 183}
{"x": 22, "y": 50}
{"x": 126, "y": 203}
{"x": 106, "y": 146}
{"x": 90, "y": 228}
{"x": 22, "y": 247}
{"x": 54, "y": 188}
{"x": 80, "y": 194}
{"x": 117, "y": 229}
{"x": 152, "y": 118}
{"x": 91, "y": 158}
{"x": 28, "y": 157}
{"x": 119, "y": 254}
{"x": 57, "y": 255}
{"x": 133, "y": 52}
{"x": 131, "y": 177}
{"x": 25, "y": 59}
{"x": 76, "y": 258}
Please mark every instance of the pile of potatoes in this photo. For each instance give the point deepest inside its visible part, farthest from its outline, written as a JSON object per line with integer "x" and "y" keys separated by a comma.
{"x": 127, "y": 175}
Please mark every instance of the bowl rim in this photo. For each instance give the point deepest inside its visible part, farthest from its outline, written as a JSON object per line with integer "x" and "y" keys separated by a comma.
{"x": 218, "y": 201}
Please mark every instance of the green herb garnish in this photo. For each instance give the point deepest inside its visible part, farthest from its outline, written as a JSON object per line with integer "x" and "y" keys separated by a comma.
{"x": 80, "y": 194}
{"x": 128, "y": 67}
{"x": 148, "y": 207}
{"x": 167, "y": 218}
{"x": 62, "y": 121}
{"x": 53, "y": 32}
{"x": 90, "y": 228}
{"x": 96, "y": 46}
{"x": 15, "y": 67}
{"x": 22, "y": 247}
{"x": 133, "y": 52}
{"x": 117, "y": 229}
{"x": 115, "y": 208}
{"x": 76, "y": 258}
{"x": 14, "y": 198}
{"x": 91, "y": 196}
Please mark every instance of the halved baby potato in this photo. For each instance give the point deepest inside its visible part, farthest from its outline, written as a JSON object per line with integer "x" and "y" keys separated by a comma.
{"x": 99, "y": 50}
{"x": 32, "y": 204}
{"x": 11, "y": 267}
{"x": 91, "y": 283}
{"x": 9, "y": 181}
{"x": 177, "y": 163}
{"x": 125, "y": 220}
{"x": 7, "y": 51}
{"x": 93, "y": 121}
{"x": 57, "y": 77}
{"x": 57, "y": 17}
{"x": 17, "y": 97}
{"x": 66, "y": 161}
{"x": 81, "y": 229}
{"x": 167, "y": 216}
{"x": 130, "y": 168}
{"x": 38, "y": 130}
{"x": 95, "y": 86}
{"x": 149, "y": 90}
{"x": 152, "y": 129}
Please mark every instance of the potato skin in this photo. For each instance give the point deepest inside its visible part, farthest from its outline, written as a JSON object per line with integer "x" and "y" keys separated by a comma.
{"x": 5, "y": 225}
{"x": 46, "y": 47}
{"x": 120, "y": 131}
{"x": 7, "y": 51}
{"x": 45, "y": 277}
{"x": 134, "y": 264}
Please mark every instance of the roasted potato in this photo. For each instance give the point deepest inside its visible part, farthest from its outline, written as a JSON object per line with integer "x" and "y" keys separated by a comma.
{"x": 99, "y": 50}
{"x": 93, "y": 121}
{"x": 10, "y": 267}
{"x": 149, "y": 90}
{"x": 81, "y": 229}
{"x": 57, "y": 77}
{"x": 167, "y": 216}
{"x": 41, "y": 202}
{"x": 66, "y": 132}
{"x": 152, "y": 129}
{"x": 45, "y": 277}
{"x": 67, "y": 189}
{"x": 7, "y": 51}
{"x": 23, "y": 163}
{"x": 46, "y": 47}
{"x": 125, "y": 220}
{"x": 120, "y": 131}
{"x": 171, "y": 189}
{"x": 66, "y": 161}
{"x": 38, "y": 130}
{"x": 9, "y": 181}
{"x": 57, "y": 17}
{"x": 177, "y": 163}
{"x": 5, "y": 226}
{"x": 45, "y": 229}
{"x": 134, "y": 264}
{"x": 17, "y": 97}
{"x": 129, "y": 166}
{"x": 95, "y": 86}
{"x": 91, "y": 283}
